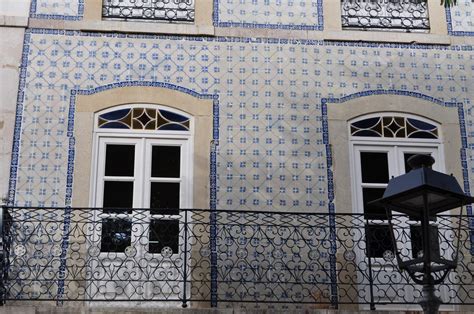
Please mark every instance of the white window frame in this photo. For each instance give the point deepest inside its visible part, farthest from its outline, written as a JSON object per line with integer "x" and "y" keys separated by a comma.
{"x": 143, "y": 140}
{"x": 171, "y": 137}
{"x": 395, "y": 148}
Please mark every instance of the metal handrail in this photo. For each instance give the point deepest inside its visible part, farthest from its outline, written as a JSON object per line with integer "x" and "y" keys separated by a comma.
{"x": 230, "y": 256}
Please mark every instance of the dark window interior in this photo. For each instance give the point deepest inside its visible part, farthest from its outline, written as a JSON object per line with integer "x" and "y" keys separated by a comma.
{"x": 164, "y": 233}
{"x": 164, "y": 195}
{"x": 378, "y": 240}
{"x": 165, "y": 161}
{"x": 120, "y": 160}
{"x": 116, "y": 234}
{"x": 374, "y": 167}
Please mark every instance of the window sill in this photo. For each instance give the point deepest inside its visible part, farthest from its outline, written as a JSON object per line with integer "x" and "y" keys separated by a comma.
{"x": 387, "y": 37}
{"x": 13, "y": 21}
{"x": 125, "y": 26}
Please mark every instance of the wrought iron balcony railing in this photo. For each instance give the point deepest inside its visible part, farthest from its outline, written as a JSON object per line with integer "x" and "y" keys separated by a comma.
{"x": 185, "y": 257}
{"x": 391, "y": 15}
{"x": 149, "y": 10}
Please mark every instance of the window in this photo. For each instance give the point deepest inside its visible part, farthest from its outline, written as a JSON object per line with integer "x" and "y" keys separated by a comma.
{"x": 148, "y": 10}
{"x": 401, "y": 21}
{"x": 385, "y": 15}
{"x": 381, "y": 147}
{"x": 185, "y": 17}
{"x": 142, "y": 178}
{"x": 384, "y": 128}
{"x": 147, "y": 156}
{"x": 375, "y": 164}
{"x": 142, "y": 168}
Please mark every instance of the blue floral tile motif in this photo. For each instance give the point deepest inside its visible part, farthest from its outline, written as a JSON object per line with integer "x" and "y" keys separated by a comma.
{"x": 57, "y": 9}
{"x": 278, "y": 14}
{"x": 268, "y": 149}
{"x": 460, "y": 18}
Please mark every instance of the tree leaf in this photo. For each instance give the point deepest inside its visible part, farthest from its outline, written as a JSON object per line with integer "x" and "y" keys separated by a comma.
{"x": 448, "y": 3}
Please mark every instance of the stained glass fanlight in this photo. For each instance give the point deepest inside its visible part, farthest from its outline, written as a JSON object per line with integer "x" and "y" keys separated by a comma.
{"x": 394, "y": 127}
{"x": 141, "y": 118}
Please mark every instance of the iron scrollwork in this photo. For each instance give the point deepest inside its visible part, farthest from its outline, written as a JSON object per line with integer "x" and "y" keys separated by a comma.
{"x": 262, "y": 258}
{"x": 397, "y": 15}
{"x": 150, "y": 10}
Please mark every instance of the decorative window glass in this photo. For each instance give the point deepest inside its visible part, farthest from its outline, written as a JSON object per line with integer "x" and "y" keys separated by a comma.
{"x": 392, "y": 15}
{"x": 395, "y": 127}
{"x": 151, "y": 10}
{"x": 143, "y": 119}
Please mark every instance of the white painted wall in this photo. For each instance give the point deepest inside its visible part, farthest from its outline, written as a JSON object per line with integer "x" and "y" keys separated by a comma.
{"x": 11, "y": 46}
{"x": 14, "y": 12}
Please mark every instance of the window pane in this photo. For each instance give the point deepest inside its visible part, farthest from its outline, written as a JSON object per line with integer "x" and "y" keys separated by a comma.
{"x": 374, "y": 167}
{"x": 116, "y": 234}
{"x": 373, "y": 211}
{"x": 164, "y": 195}
{"x": 378, "y": 240}
{"x": 117, "y": 195}
{"x": 164, "y": 233}
{"x": 119, "y": 160}
{"x": 166, "y": 161}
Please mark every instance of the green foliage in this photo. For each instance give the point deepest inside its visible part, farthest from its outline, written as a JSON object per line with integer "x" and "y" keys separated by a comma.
{"x": 448, "y": 3}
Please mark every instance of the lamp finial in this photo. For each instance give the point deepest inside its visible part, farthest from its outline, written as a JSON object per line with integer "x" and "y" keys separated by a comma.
{"x": 420, "y": 160}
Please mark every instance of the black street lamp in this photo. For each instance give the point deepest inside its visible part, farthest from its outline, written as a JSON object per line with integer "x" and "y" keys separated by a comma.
{"x": 421, "y": 194}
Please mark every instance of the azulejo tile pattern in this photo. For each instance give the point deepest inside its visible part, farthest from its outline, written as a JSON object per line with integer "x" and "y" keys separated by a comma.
{"x": 57, "y": 9}
{"x": 461, "y": 18}
{"x": 271, "y": 152}
{"x": 280, "y": 14}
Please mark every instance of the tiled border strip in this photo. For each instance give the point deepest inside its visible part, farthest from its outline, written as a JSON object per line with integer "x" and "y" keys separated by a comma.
{"x": 18, "y": 119}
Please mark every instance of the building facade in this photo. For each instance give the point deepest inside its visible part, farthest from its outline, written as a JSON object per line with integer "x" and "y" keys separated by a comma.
{"x": 299, "y": 108}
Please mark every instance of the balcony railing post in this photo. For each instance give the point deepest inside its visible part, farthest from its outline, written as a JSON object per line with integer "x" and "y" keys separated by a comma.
{"x": 4, "y": 226}
{"x": 371, "y": 279}
{"x": 185, "y": 259}
{"x": 2, "y": 256}
{"x": 333, "y": 258}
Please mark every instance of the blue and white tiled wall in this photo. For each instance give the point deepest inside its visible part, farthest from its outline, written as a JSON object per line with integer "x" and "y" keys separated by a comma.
{"x": 57, "y": 9}
{"x": 461, "y": 18}
{"x": 271, "y": 153}
{"x": 281, "y": 14}
{"x": 285, "y": 14}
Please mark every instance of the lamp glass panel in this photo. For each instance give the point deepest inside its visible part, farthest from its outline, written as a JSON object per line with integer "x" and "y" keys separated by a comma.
{"x": 417, "y": 241}
{"x": 434, "y": 201}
